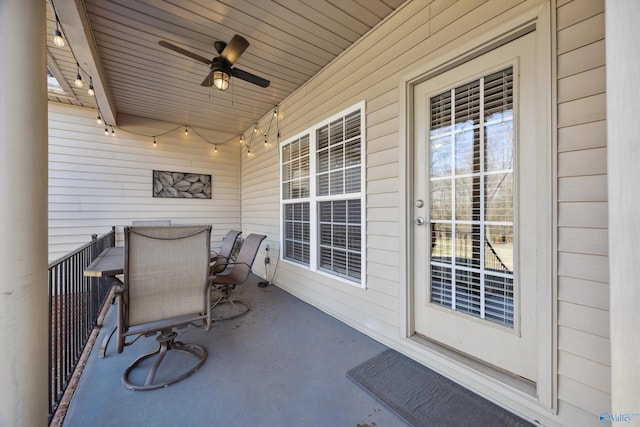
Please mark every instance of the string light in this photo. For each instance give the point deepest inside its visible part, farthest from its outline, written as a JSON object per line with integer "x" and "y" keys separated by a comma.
{"x": 78, "y": 81}
{"x": 57, "y": 36}
{"x": 186, "y": 131}
{"x": 91, "y": 92}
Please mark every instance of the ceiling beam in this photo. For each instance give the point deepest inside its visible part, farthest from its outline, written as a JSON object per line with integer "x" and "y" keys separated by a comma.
{"x": 77, "y": 31}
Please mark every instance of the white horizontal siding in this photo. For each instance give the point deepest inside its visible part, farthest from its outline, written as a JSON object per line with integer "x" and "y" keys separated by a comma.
{"x": 584, "y": 384}
{"x": 98, "y": 181}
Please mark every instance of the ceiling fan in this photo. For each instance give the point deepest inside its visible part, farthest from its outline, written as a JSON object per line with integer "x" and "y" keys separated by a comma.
{"x": 222, "y": 66}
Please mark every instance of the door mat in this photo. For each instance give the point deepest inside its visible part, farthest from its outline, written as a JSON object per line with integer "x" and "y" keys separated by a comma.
{"x": 423, "y": 397}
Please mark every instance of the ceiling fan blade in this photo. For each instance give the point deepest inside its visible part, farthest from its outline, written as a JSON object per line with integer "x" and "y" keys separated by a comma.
{"x": 248, "y": 77}
{"x": 184, "y": 52}
{"x": 234, "y": 49}
{"x": 208, "y": 81}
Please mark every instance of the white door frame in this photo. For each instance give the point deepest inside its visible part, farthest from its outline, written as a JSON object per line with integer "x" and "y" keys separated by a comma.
{"x": 540, "y": 20}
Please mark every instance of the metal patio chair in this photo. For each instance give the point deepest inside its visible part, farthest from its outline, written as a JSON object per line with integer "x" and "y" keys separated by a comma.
{"x": 166, "y": 287}
{"x": 224, "y": 306}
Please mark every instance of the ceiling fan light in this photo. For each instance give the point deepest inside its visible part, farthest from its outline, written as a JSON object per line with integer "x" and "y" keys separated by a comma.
{"x": 221, "y": 80}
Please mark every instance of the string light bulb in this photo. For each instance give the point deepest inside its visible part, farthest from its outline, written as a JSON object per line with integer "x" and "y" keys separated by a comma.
{"x": 57, "y": 37}
{"x": 255, "y": 127}
{"x": 265, "y": 140}
{"x": 78, "y": 81}
{"x": 113, "y": 132}
{"x": 275, "y": 111}
{"x": 186, "y": 131}
{"x": 241, "y": 139}
{"x": 106, "y": 131}
{"x": 90, "y": 91}
{"x": 215, "y": 148}
{"x": 99, "y": 120}
{"x": 155, "y": 144}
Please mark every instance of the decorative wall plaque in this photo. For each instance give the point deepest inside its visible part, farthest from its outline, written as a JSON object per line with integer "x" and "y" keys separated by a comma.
{"x": 181, "y": 185}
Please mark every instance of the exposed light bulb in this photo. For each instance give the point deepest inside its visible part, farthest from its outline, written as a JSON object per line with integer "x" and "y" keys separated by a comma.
{"x": 57, "y": 37}
{"x": 106, "y": 131}
{"x": 155, "y": 144}
{"x": 255, "y": 128}
{"x": 78, "y": 81}
{"x": 91, "y": 92}
{"x": 215, "y": 148}
{"x": 113, "y": 132}
{"x": 265, "y": 140}
{"x": 186, "y": 131}
{"x": 241, "y": 139}
{"x": 99, "y": 119}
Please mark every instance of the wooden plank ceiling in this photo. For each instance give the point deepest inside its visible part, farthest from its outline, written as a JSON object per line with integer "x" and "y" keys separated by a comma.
{"x": 115, "y": 42}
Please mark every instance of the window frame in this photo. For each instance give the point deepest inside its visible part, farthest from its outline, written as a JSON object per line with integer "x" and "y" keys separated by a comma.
{"x": 314, "y": 199}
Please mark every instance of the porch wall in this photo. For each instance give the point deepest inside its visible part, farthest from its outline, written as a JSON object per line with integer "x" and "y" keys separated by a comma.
{"x": 98, "y": 181}
{"x": 371, "y": 70}
{"x": 584, "y": 364}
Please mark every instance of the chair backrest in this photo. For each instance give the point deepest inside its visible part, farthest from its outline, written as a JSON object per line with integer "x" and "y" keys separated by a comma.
{"x": 151, "y": 222}
{"x": 166, "y": 272}
{"x": 226, "y": 248}
{"x": 242, "y": 264}
{"x": 228, "y": 243}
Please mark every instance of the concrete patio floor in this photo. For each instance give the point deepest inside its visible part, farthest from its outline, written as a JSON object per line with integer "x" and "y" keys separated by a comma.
{"x": 281, "y": 364}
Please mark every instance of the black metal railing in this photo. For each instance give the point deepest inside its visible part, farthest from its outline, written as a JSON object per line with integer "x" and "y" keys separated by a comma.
{"x": 75, "y": 303}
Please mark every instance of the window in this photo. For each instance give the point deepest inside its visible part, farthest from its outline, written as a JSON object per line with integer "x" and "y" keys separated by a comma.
{"x": 322, "y": 199}
{"x": 471, "y": 152}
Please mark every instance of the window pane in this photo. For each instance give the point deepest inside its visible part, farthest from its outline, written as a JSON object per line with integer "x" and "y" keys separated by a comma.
{"x": 472, "y": 213}
{"x": 336, "y": 132}
{"x": 352, "y": 152}
{"x": 441, "y": 244}
{"x": 440, "y": 165}
{"x": 296, "y": 232}
{"x": 468, "y": 104}
{"x": 352, "y": 125}
{"x": 322, "y": 135}
{"x": 467, "y": 153}
{"x": 441, "y": 199}
{"x": 441, "y": 111}
{"x": 336, "y": 181}
{"x": 340, "y": 237}
{"x": 499, "y": 248}
{"x": 352, "y": 180}
{"x": 499, "y": 197}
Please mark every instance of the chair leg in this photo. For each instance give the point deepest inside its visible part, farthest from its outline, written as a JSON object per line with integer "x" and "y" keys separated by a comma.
{"x": 237, "y": 307}
{"x": 166, "y": 342}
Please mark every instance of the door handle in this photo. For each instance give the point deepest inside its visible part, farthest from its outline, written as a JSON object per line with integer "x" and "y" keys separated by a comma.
{"x": 420, "y": 220}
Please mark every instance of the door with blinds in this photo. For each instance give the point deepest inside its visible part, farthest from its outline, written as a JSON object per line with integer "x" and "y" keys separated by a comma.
{"x": 474, "y": 207}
